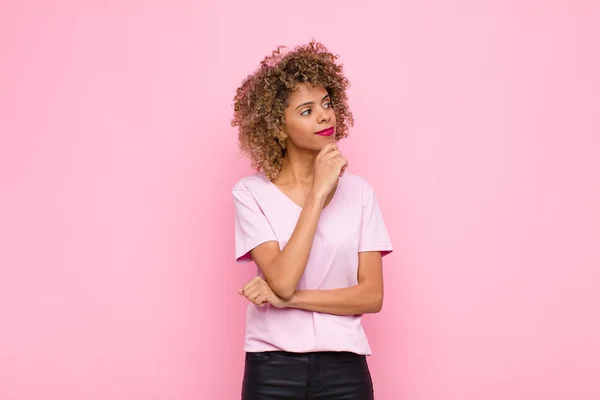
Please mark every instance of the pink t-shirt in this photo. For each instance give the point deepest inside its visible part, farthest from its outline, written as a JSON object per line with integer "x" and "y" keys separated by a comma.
{"x": 351, "y": 223}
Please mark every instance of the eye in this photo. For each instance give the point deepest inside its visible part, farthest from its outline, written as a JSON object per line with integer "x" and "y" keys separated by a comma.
{"x": 305, "y": 111}
{"x": 328, "y": 105}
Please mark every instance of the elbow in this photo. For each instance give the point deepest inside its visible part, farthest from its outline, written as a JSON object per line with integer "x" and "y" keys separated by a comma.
{"x": 376, "y": 303}
{"x": 284, "y": 291}
{"x": 377, "y": 307}
{"x": 286, "y": 294}
{"x": 281, "y": 288}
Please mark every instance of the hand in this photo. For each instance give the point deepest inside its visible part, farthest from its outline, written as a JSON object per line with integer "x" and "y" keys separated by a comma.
{"x": 329, "y": 166}
{"x": 259, "y": 292}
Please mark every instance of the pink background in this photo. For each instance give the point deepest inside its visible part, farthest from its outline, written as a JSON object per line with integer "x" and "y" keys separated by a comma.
{"x": 477, "y": 123}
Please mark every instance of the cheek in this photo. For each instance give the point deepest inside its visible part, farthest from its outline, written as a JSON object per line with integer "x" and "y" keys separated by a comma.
{"x": 298, "y": 130}
{"x": 332, "y": 115}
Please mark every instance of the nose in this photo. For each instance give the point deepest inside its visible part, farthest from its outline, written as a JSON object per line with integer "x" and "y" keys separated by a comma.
{"x": 324, "y": 116}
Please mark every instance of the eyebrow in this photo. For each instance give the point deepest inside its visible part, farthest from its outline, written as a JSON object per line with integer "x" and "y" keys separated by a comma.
{"x": 311, "y": 102}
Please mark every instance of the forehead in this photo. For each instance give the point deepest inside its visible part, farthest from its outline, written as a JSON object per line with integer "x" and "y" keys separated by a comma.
{"x": 305, "y": 92}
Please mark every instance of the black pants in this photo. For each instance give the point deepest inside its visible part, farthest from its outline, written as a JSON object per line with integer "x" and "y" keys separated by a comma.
{"x": 279, "y": 375}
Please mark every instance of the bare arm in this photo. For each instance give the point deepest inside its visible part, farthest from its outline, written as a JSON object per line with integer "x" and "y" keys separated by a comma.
{"x": 365, "y": 297}
{"x": 283, "y": 269}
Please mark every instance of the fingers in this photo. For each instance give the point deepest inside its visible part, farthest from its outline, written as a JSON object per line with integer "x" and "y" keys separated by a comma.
{"x": 256, "y": 291}
{"x": 248, "y": 286}
{"x": 256, "y": 295}
{"x": 327, "y": 148}
{"x": 257, "y": 298}
{"x": 253, "y": 293}
{"x": 332, "y": 154}
{"x": 344, "y": 168}
{"x": 341, "y": 163}
{"x": 261, "y": 300}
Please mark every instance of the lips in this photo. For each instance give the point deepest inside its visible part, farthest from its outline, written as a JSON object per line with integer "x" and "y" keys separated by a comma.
{"x": 325, "y": 132}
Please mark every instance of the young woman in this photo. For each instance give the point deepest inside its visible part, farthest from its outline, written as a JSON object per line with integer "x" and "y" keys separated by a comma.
{"x": 314, "y": 231}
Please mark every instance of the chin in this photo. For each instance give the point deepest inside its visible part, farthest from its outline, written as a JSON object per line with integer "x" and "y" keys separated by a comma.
{"x": 318, "y": 144}
{"x": 321, "y": 145}
{"x": 323, "y": 140}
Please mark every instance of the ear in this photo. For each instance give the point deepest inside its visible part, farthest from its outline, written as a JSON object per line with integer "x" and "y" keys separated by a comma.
{"x": 281, "y": 137}
{"x": 282, "y": 141}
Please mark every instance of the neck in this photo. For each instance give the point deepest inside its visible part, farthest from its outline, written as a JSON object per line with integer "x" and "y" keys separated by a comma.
{"x": 298, "y": 167}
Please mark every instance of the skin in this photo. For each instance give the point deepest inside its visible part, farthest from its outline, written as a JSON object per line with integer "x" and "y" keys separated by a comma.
{"x": 309, "y": 177}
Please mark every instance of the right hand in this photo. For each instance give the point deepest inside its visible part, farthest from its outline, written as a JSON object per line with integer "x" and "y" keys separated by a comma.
{"x": 260, "y": 293}
{"x": 329, "y": 166}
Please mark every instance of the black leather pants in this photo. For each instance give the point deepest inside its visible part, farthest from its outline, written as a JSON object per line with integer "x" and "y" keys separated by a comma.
{"x": 278, "y": 375}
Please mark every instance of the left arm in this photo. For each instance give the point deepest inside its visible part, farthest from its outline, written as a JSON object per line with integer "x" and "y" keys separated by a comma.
{"x": 363, "y": 298}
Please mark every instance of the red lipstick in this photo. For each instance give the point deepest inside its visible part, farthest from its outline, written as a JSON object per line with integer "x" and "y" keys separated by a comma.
{"x": 325, "y": 132}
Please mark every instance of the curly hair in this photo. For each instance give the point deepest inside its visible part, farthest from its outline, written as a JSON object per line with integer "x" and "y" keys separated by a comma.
{"x": 261, "y": 99}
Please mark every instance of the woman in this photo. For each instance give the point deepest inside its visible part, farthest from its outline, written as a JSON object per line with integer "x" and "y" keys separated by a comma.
{"x": 314, "y": 231}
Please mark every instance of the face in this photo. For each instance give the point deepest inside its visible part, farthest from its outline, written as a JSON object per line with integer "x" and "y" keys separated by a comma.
{"x": 309, "y": 119}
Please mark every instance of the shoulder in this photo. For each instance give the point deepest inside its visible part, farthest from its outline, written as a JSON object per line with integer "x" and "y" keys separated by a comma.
{"x": 356, "y": 183}
{"x": 252, "y": 183}
{"x": 359, "y": 187}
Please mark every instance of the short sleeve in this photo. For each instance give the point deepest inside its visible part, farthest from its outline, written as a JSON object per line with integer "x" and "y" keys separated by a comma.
{"x": 374, "y": 235}
{"x": 251, "y": 226}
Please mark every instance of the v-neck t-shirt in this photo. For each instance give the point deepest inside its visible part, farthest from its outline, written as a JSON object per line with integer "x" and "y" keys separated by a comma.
{"x": 352, "y": 222}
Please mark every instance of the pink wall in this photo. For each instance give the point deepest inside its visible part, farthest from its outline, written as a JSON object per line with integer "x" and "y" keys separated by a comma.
{"x": 478, "y": 125}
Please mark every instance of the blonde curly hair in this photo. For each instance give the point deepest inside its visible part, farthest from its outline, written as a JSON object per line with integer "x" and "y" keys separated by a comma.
{"x": 261, "y": 99}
